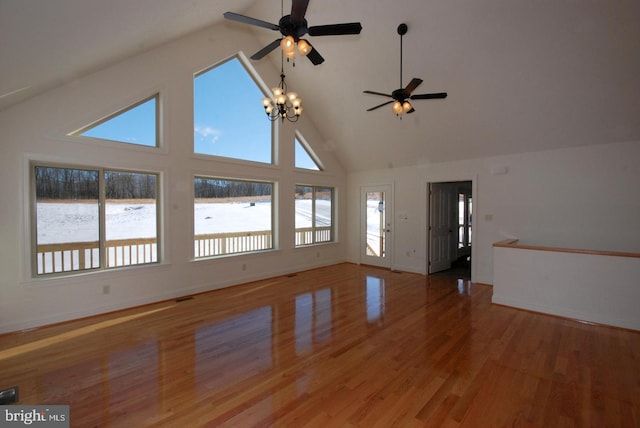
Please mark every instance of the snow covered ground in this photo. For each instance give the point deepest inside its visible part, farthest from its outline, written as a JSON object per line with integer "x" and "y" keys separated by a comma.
{"x": 78, "y": 222}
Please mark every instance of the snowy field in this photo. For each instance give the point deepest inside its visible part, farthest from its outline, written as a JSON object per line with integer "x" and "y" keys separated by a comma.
{"x": 78, "y": 222}
{"x": 60, "y": 223}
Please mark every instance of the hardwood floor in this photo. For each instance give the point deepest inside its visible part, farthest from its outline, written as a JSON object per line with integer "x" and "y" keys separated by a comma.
{"x": 344, "y": 345}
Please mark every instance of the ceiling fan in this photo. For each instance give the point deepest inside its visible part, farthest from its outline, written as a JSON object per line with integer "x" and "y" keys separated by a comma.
{"x": 400, "y": 97}
{"x": 293, "y": 27}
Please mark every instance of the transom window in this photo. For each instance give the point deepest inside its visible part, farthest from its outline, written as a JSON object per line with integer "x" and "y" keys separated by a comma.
{"x": 232, "y": 216}
{"x": 314, "y": 215}
{"x": 92, "y": 218}
{"x": 229, "y": 119}
{"x": 137, "y": 124}
{"x": 305, "y": 158}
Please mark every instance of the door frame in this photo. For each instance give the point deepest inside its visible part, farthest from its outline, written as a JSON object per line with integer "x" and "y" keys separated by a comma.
{"x": 476, "y": 226}
{"x": 384, "y": 262}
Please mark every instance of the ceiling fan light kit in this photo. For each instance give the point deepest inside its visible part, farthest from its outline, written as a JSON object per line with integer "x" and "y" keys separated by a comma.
{"x": 289, "y": 45}
{"x": 303, "y": 47}
{"x": 293, "y": 27}
{"x": 400, "y": 98}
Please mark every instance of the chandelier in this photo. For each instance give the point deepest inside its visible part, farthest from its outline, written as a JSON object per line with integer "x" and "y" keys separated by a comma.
{"x": 282, "y": 104}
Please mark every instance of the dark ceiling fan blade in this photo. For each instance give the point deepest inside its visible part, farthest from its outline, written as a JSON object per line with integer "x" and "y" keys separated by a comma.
{"x": 381, "y": 105}
{"x": 314, "y": 56}
{"x": 335, "y": 29}
{"x": 401, "y": 95}
{"x": 298, "y": 10}
{"x": 251, "y": 21}
{"x": 415, "y": 82}
{"x": 377, "y": 93}
{"x": 429, "y": 96}
{"x": 267, "y": 49}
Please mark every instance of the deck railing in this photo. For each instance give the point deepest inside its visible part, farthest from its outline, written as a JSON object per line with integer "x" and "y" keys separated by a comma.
{"x": 304, "y": 235}
{"x": 73, "y": 256}
{"x": 218, "y": 244}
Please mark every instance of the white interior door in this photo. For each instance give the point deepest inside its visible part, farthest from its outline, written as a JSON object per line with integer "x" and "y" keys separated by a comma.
{"x": 376, "y": 204}
{"x": 441, "y": 231}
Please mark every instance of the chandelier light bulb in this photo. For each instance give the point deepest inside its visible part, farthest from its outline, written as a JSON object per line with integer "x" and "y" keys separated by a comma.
{"x": 397, "y": 108}
{"x": 406, "y": 106}
{"x": 292, "y": 96}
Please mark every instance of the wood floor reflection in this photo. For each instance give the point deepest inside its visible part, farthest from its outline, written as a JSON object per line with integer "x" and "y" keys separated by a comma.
{"x": 344, "y": 345}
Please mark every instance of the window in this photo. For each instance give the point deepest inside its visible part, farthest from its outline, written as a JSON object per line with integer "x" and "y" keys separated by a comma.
{"x": 137, "y": 124}
{"x": 232, "y": 216}
{"x": 314, "y": 215}
{"x": 91, "y": 218}
{"x": 465, "y": 204}
{"x": 305, "y": 158}
{"x": 229, "y": 119}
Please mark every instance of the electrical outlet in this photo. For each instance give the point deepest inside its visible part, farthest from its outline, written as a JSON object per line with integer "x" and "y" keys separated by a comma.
{"x": 106, "y": 289}
{"x": 244, "y": 266}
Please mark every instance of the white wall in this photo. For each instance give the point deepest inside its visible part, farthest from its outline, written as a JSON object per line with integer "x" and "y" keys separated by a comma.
{"x": 584, "y": 197}
{"x": 588, "y": 287}
{"x": 36, "y": 129}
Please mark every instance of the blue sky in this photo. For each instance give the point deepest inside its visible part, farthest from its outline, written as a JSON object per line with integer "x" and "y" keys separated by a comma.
{"x": 135, "y": 126}
{"x": 229, "y": 119}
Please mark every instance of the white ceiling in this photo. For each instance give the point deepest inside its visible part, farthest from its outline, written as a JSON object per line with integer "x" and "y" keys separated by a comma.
{"x": 522, "y": 75}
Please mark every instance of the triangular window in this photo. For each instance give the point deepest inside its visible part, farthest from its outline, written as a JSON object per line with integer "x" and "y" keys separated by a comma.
{"x": 137, "y": 124}
{"x": 305, "y": 158}
{"x": 229, "y": 119}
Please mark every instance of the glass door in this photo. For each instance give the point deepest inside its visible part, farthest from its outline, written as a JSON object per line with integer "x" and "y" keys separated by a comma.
{"x": 376, "y": 214}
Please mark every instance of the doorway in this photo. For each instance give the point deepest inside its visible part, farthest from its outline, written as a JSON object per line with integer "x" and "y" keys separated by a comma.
{"x": 450, "y": 228}
{"x": 376, "y": 239}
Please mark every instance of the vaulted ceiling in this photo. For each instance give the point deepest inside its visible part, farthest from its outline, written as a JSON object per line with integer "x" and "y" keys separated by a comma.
{"x": 522, "y": 75}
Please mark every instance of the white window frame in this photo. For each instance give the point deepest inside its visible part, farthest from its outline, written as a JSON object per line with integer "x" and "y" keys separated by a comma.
{"x": 305, "y": 239}
{"x": 103, "y": 249}
{"x": 222, "y": 244}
